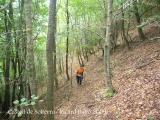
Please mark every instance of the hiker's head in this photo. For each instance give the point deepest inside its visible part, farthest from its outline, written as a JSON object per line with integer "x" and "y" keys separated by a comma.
{"x": 81, "y": 65}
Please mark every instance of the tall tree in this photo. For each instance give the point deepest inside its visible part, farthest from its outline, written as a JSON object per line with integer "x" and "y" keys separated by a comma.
{"x": 30, "y": 65}
{"x": 8, "y": 28}
{"x": 108, "y": 81}
{"x": 49, "y": 55}
{"x": 67, "y": 40}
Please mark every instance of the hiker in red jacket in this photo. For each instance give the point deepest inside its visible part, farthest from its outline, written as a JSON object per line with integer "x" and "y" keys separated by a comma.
{"x": 79, "y": 74}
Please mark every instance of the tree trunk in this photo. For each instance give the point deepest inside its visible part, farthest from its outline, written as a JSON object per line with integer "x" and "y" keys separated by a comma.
{"x": 115, "y": 35}
{"x": 108, "y": 81}
{"x": 54, "y": 64}
{"x": 67, "y": 42}
{"x": 62, "y": 64}
{"x": 80, "y": 59}
{"x": 104, "y": 17}
{"x": 128, "y": 24}
{"x": 104, "y": 25}
{"x": 138, "y": 19}
{"x": 49, "y": 56}
{"x": 14, "y": 63}
{"x": 59, "y": 64}
{"x": 8, "y": 26}
{"x": 30, "y": 66}
{"x": 54, "y": 55}
{"x": 21, "y": 44}
{"x": 123, "y": 30}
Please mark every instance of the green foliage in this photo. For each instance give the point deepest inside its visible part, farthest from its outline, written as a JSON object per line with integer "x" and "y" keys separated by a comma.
{"x": 20, "y": 113}
{"x": 24, "y": 103}
{"x": 34, "y": 97}
{"x": 84, "y": 16}
{"x": 16, "y": 102}
{"x": 23, "y": 99}
{"x": 33, "y": 103}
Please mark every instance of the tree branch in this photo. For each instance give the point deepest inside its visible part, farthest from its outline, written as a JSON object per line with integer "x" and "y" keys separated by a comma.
{"x": 4, "y": 7}
{"x": 147, "y": 11}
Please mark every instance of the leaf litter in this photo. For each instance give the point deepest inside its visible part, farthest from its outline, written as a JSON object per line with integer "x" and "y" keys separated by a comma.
{"x": 136, "y": 79}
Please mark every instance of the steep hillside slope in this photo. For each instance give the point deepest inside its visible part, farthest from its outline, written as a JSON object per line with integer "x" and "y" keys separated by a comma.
{"x": 136, "y": 78}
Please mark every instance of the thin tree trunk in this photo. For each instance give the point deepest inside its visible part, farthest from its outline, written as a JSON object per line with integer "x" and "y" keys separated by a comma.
{"x": 49, "y": 56}
{"x": 67, "y": 42}
{"x": 78, "y": 58}
{"x": 54, "y": 65}
{"x": 62, "y": 64}
{"x": 59, "y": 65}
{"x": 128, "y": 26}
{"x": 104, "y": 24}
{"x": 138, "y": 19}
{"x": 104, "y": 16}
{"x": 108, "y": 81}
{"x": 14, "y": 63}
{"x": 71, "y": 72}
{"x": 22, "y": 52}
{"x": 8, "y": 26}
{"x": 81, "y": 59}
{"x": 55, "y": 57}
{"x": 115, "y": 35}
{"x": 86, "y": 48}
{"x": 30, "y": 55}
{"x": 123, "y": 30}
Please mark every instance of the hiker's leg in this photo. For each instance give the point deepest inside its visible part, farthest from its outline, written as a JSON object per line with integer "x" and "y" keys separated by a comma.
{"x": 80, "y": 82}
{"x": 77, "y": 79}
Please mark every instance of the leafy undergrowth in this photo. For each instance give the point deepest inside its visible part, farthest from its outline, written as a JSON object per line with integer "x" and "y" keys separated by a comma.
{"x": 136, "y": 79}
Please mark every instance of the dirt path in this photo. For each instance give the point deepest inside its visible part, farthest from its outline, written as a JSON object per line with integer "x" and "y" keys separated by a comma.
{"x": 81, "y": 103}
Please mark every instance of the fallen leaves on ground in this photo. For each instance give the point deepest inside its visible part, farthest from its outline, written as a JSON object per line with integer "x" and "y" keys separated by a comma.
{"x": 137, "y": 95}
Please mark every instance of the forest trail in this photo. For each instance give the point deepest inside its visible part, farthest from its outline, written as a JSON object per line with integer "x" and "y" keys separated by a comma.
{"x": 136, "y": 79}
{"x": 83, "y": 98}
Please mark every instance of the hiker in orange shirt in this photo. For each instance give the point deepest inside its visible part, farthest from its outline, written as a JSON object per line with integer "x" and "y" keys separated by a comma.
{"x": 79, "y": 74}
